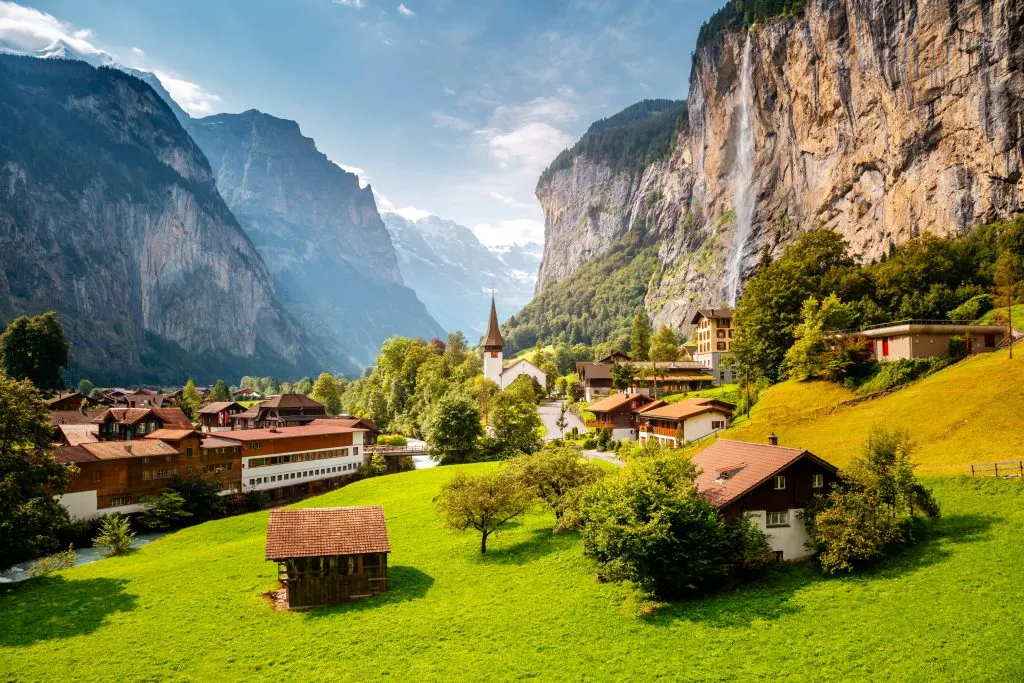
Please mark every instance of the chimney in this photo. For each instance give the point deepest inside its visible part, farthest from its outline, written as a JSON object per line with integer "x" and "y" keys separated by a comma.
{"x": 127, "y": 448}
{"x": 773, "y": 440}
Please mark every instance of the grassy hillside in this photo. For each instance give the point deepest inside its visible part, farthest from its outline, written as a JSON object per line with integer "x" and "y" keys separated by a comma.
{"x": 188, "y": 607}
{"x": 1017, "y": 312}
{"x": 971, "y": 412}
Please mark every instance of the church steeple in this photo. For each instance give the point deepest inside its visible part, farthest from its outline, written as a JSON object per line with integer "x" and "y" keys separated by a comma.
{"x": 493, "y": 340}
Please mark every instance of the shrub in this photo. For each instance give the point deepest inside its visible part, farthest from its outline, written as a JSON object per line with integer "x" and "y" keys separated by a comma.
{"x": 957, "y": 347}
{"x": 166, "y": 511}
{"x": 392, "y": 440}
{"x": 255, "y": 500}
{"x": 973, "y": 308}
{"x": 649, "y": 525}
{"x": 52, "y": 563}
{"x": 747, "y": 549}
{"x": 376, "y": 467}
{"x": 589, "y": 443}
{"x": 896, "y": 373}
{"x": 115, "y": 535}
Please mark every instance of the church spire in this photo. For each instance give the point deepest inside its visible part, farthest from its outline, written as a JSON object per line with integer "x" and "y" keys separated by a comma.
{"x": 493, "y": 340}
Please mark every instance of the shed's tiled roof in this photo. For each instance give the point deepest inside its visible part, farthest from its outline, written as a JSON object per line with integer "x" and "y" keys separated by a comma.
{"x": 318, "y": 532}
{"x": 731, "y": 469}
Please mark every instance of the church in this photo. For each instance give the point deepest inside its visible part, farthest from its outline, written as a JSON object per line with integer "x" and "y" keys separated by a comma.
{"x": 494, "y": 361}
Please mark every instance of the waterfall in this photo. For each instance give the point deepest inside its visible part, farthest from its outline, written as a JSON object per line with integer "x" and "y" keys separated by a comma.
{"x": 743, "y": 181}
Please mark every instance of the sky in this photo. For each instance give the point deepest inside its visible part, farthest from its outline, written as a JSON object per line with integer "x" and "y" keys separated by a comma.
{"x": 449, "y": 107}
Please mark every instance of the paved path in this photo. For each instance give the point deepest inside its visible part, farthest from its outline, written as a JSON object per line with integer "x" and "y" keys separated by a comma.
{"x": 549, "y": 416}
{"x": 607, "y": 457}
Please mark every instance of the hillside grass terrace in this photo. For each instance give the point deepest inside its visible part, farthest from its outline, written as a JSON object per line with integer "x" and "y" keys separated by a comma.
{"x": 190, "y": 607}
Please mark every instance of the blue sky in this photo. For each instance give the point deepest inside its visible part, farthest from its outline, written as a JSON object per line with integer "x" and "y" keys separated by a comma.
{"x": 447, "y": 107}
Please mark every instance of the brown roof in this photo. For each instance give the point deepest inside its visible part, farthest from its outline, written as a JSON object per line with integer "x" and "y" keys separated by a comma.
{"x": 63, "y": 397}
{"x": 348, "y": 421}
{"x": 616, "y": 401}
{"x": 78, "y": 434}
{"x": 493, "y": 336}
{"x": 595, "y": 370}
{"x": 73, "y": 454}
{"x": 218, "y": 406}
{"x": 74, "y": 417}
{"x": 711, "y": 314}
{"x": 215, "y": 442}
{"x": 171, "y": 434}
{"x": 171, "y": 417}
{"x": 316, "y": 428}
{"x": 650, "y": 406}
{"x": 731, "y": 469}
{"x": 685, "y": 409}
{"x": 320, "y": 532}
{"x": 291, "y": 401}
{"x": 252, "y": 412}
{"x": 113, "y": 450}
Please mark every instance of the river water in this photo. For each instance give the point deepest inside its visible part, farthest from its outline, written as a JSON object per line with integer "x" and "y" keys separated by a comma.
{"x": 20, "y": 572}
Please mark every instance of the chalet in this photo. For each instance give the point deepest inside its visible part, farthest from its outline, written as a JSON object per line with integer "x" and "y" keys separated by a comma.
{"x": 618, "y": 413}
{"x": 294, "y": 461}
{"x": 927, "y": 338}
{"x": 286, "y": 410}
{"x": 66, "y": 402}
{"x": 326, "y": 556}
{"x": 121, "y": 424}
{"x": 671, "y": 377}
{"x": 679, "y": 423}
{"x": 768, "y": 482}
{"x": 714, "y": 341}
{"x": 596, "y": 376}
{"x": 216, "y": 416}
{"x": 223, "y": 459}
{"x": 144, "y": 398}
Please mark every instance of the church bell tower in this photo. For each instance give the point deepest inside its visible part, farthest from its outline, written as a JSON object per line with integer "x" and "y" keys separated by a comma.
{"x": 493, "y": 345}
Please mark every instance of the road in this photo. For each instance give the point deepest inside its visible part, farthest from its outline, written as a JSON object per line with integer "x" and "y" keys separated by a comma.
{"x": 549, "y": 416}
{"x": 607, "y": 457}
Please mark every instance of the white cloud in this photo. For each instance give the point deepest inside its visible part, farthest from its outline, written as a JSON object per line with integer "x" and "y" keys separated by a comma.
{"x": 190, "y": 96}
{"x": 527, "y": 148}
{"x": 509, "y": 201}
{"x": 448, "y": 91}
{"x": 442, "y": 120}
{"x": 25, "y": 28}
{"x": 138, "y": 52}
{"x": 364, "y": 178}
{"x": 357, "y": 4}
{"x": 409, "y": 213}
{"x": 515, "y": 231}
{"x": 405, "y": 11}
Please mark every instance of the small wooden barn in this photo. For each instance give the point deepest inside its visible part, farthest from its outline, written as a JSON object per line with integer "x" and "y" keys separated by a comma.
{"x": 326, "y": 556}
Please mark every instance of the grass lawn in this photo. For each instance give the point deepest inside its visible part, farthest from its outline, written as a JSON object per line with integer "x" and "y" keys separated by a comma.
{"x": 188, "y": 607}
{"x": 971, "y": 412}
{"x": 1018, "y": 316}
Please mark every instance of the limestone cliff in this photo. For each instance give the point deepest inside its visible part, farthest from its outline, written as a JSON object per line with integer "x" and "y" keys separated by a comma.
{"x": 109, "y": 214}
{"x": 880, "y": 119}
{"x": 327, "y": 248}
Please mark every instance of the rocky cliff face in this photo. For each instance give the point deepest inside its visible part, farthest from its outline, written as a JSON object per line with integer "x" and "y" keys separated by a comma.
{"x": 109, "y": 215}
{"x": 328, "y": 250}
{"x": 882, "y": 120}
{"x": 452, "y": 272}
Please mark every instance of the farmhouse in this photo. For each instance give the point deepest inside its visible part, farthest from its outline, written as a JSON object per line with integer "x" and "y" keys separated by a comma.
{"x": 216, "y": 416}
{"x": 66, "y": 401}
{"x": 927, "y": 338}
{"x": 673, "y": 377}
{"x": 771, "y": 483}
{"x": 618, "y": 413}
{"x": 285, "y": 410}
{"x": 596, "y": 376}
{"x": 714, "y": 341}
{"x": 495, "y": 368}
{"x": 675, "y": 424}
{"x": 326, "y": 556}
{"x": 124, "y": 424}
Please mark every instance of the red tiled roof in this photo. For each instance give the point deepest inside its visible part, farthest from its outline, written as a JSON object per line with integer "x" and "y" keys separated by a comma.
{"x": 616, "y": 401}
{"x": 320, "y": 532}
{"x": 348, "y": 421}
{"x": 78, "y": 434}
{"x": 171, "y": 434}
{"x": 171, "y": 417}
{"x": 74, "y": 417}
{"x": 316, "y": 428}
{"x": 73, "y": 454}
{"x": 731, "y": 469}
{"x": 214, "y": 442}
{"x": 688, "y": 408}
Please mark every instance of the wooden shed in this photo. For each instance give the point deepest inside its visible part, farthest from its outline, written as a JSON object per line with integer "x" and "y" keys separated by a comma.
{"x": 326, "y": 556}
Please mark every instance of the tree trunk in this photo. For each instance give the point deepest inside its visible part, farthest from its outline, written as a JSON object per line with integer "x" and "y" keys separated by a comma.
{"x": 483, "y": 542}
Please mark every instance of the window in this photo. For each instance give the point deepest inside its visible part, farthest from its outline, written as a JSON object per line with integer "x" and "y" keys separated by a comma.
{"x": 718, "y": 424}
{"x": 780, "y": 482}
{"x": 721, "y": 334}
{"x": 96, "y": 476}
{"x": 990, "y": 341}
{"x": 776, "y": 519}
{"x": 256, "y": 445}
{"x": 188, "y": 452}
{"x": 817, "y": 480}
{"x": 118, "y": 501}
{"x": 720, "y": 346}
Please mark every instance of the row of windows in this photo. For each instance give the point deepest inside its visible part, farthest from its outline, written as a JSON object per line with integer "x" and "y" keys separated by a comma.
{"x": 159, "y": 474}
{"x": 817, "y": 481}
{"x": 218, "y": 466}
{"x": 341, "y": 469}
{"x": 302, "y": 457}
{"x": 118, "y": 501}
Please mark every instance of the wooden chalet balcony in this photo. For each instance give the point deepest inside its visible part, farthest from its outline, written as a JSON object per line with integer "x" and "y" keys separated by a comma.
{"x": 661, "y": 431}
{"x": 599, "y": 424}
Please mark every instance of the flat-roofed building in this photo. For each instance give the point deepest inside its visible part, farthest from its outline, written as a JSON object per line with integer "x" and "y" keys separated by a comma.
{"x": 928, "y": 338}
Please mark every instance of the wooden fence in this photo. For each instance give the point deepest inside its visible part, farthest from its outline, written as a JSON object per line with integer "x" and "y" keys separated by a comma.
{"x": 1010, "y": 469}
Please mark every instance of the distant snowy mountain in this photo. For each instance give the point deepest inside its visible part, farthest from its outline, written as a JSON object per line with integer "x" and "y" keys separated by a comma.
{"x": 452, "y": 271}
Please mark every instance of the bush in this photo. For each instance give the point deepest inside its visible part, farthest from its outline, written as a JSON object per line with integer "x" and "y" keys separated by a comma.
{"x": 253, "y": 501}
{"x": 115, "y": 535}
{"x": 166, "y": 511}
{"x": 589, "y": 443}
{"x": 973, "y": 308}
{"x": 52, "y": 563}
{"x": 896, "y": 373}
{"x": 747, "y": 549}
{"x": 376, "y": 467}
{"x": 392, "y": 440}
{"x": 958, "y": 347}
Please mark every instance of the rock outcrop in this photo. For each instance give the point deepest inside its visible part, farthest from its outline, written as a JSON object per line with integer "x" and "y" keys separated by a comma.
{"x": 109, "y": 214}
{"x": 330, "y": 255}
{"x": 880, "y": 119}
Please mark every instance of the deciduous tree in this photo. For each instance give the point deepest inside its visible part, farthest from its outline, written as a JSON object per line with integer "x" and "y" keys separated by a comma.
{"x": 556, "y": 474}
{"x": 220, "y": 392}
{"x": 190, "y": 400}
{"x": 327, "y": 390}
{"x": 1007, "y": 280}
{"x": 484, "y": 502}
{"x": 514, "y": 418}
{"x": 35, "y": 349}
{"x": 452, "y": 428}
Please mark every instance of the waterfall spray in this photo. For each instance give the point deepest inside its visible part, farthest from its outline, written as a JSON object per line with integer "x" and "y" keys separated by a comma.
{"x": 743, "y": 181}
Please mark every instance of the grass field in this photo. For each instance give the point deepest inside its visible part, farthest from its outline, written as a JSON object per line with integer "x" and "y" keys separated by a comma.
{"x": 971, "y": 412}
{"x": 189, "y": 607}
{"x": 1018, "y": 316}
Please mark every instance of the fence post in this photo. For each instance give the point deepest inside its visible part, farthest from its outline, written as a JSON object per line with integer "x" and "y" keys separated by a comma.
{"x": 972, "y": 471}
{"x": 995, "y": 466}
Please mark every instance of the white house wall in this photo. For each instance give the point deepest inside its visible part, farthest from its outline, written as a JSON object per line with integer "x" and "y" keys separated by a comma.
{"x": 699, "y": 426}
{"x": 278, "y": 476}
{"x": 523, "y": 368}
{"x": 81, "y": 504}
{"x": 791, "y": 540}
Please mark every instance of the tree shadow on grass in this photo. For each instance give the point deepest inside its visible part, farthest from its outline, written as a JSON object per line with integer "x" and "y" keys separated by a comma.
{"x": 769, "y": 597}
{"x": 54, "y": 608}
{"x": 541, "y": 542}
{"x": 404, "y": 584}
